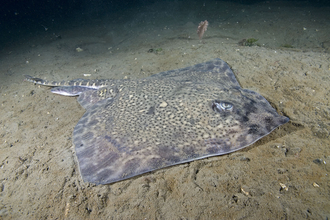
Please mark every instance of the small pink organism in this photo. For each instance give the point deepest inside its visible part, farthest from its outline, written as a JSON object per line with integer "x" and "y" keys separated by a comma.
{"x": 202, "y": 27}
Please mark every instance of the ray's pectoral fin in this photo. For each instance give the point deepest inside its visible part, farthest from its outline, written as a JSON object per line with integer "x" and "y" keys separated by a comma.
{"x": 87, "y": 96}
{"x": 70, "y": 90}
{"x": 90, "y": 98}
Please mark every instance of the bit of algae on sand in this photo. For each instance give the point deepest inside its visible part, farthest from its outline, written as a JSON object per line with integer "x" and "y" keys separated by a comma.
{"x": 287, "y": 46}
{"x": 248, "y": 42}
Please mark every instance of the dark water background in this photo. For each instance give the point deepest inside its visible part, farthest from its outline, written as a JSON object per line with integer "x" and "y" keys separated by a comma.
{"x": 21, "y": 19}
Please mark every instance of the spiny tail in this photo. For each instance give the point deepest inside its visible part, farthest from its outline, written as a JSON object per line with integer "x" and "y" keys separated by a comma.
{"x": 89, "y": 83}
{"x": 43, "y": 82}
{"x": 33, "y": 79}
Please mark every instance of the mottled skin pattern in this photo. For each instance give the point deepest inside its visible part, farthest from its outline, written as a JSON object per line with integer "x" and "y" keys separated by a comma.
{"x": 133, "y": 127}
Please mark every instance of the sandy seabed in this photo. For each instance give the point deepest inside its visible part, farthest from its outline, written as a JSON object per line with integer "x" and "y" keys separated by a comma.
{"x": 285, "y": 175}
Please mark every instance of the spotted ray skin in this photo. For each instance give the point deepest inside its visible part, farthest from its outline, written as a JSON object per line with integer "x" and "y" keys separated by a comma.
{"x": 135, "y": 126}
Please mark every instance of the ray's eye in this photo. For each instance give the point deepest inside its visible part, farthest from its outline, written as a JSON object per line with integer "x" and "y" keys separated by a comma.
{"x": 226, "y": 106}
{"x": 220, "y": 106}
